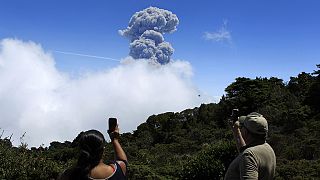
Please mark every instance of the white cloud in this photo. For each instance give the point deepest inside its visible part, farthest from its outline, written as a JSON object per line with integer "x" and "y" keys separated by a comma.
{"x": 221, "y": 35}
{"x": 49, "y": 105}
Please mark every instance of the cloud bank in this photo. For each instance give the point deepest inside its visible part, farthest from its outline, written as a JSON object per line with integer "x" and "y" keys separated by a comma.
{"x": 145, "y": 31}
{"x": 221, "y": 35}
{"x": 50, "y": 105}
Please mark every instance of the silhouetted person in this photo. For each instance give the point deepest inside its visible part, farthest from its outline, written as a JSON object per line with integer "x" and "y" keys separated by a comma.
{"x": 90, "y": 165}
{"x": 256, "y": 159}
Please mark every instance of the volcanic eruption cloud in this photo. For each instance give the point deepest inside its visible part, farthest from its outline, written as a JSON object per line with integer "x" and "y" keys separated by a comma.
{"x": 50, "y": 105}
{"x": 145, "y": 31}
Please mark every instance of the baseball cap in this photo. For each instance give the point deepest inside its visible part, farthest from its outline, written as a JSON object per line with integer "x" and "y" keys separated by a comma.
{"x": 255, "y": 123}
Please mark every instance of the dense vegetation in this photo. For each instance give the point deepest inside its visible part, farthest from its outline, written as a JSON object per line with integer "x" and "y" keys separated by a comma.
{"x": 196, "y": 143}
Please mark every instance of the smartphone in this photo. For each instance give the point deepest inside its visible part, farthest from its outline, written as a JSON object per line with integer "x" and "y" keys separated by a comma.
{"x": 112, "y": 124}
{"x": 235, "y": 115}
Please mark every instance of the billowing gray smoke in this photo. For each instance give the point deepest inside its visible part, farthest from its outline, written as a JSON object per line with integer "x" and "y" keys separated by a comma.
{"x": 146, "y": 29}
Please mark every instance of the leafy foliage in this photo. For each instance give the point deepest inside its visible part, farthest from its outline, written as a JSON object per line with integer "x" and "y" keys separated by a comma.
{"x": 20, "y": 163}
{"x": 212, "y": 161}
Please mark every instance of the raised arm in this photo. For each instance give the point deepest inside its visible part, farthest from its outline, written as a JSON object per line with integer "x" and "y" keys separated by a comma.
{"x": 237, "y": 134}
{"x": 120, "y": 155}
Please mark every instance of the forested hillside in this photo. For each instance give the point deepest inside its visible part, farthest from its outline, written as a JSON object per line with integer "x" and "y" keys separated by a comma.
{"x": 196, "y": 143}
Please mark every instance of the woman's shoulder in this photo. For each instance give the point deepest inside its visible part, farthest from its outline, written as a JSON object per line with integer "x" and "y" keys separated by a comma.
{"x": 102, "y": 171}
{"x": 123, "y": 164}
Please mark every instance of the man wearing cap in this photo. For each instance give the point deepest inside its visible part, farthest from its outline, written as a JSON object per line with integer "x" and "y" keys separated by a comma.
{"x": 256, "y": 159}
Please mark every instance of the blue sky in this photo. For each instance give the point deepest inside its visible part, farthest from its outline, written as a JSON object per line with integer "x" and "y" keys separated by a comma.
{"x": 268, "y": 38}
{"x": 215, "y": 42}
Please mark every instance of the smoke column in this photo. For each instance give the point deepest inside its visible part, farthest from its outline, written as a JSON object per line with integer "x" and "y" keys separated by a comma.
{"x": 145, "y": 31}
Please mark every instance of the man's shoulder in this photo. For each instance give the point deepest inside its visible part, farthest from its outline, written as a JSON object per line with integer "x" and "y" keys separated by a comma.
{"x": 263, "y": 151}
{"x": 258, "y": 148}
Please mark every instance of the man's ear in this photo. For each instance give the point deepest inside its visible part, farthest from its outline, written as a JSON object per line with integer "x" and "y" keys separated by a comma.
{"x": 245, "y": 133}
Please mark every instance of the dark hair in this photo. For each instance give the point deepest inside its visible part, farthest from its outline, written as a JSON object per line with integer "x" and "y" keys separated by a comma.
{"x": 91, "y": 144}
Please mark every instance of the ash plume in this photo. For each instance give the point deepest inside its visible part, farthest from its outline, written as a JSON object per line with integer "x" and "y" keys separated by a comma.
{"x": 145, "y": 31}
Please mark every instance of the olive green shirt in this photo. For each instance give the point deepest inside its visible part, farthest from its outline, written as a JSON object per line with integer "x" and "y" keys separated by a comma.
{"x": 257, "y": 162}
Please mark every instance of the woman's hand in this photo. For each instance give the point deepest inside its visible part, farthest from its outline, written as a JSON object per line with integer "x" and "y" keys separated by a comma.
{"x": 114, "y": 134}
{"x": 116, "y": 129}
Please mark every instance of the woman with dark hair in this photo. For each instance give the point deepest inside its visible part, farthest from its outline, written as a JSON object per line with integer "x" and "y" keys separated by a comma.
{"x": 90, "y": 165}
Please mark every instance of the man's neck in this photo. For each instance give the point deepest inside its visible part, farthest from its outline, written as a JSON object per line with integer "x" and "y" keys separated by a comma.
{"x": 251, "y": 143}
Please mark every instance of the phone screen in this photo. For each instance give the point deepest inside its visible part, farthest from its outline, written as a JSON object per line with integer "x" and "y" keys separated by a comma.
{"x": 112, "y": 124}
